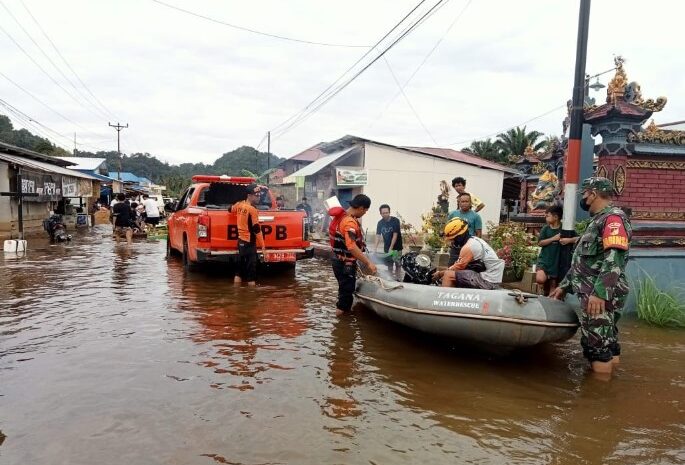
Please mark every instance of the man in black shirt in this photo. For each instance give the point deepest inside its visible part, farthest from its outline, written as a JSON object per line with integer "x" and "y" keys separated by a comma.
{"x": 389, "y": 229}
{"x": 122, "y": 219}
{"x": 308, "y": 210}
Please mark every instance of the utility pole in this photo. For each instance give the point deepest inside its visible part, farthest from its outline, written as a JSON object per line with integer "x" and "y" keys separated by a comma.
{"x": 573, "y": 162}
{"x": 268, "y": 155}
{"x": 74, "y": 144}
{"x": 572, "y": 171}
{"x": 118, "y": 127}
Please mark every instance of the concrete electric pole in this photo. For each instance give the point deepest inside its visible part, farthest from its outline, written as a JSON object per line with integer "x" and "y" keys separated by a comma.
{"x": 118, "y": 127}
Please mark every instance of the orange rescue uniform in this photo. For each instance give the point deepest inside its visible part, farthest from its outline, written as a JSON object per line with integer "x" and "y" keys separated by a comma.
{"x": 249, "y": 229}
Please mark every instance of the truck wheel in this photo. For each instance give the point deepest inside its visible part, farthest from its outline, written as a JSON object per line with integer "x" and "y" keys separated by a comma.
{"x": 170, "y": 251}
{"x": 187, "y": 263}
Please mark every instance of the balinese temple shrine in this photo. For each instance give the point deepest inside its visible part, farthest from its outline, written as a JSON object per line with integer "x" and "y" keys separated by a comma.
{"x": 646, "y": 164}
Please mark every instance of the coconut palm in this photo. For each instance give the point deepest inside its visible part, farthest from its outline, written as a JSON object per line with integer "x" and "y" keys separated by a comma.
{"x": 515, "y": 141}
{"x": 487, "y": 149}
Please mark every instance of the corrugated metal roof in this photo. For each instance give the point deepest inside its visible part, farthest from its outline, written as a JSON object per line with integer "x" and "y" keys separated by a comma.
{"x": 42, "y": 166}
{"x": 318, "y": 165}
{"x": 26, "y": 153}
{"x": 125, "y": 176}
{"x": 84, "y": 163}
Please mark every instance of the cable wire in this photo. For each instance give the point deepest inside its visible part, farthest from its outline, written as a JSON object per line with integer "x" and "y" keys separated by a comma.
{"x": 39, "y": 66}
{"x": 423, "y": 62}
{"x": 418, "y": 118}
{"x": 254, "y": 31}
{"x": 47, "y": 106}
{"x": 83, "y": 84}
{"x": 349, "y": 81}
{"x": 510, "y": 127}
{"x": 359, "y": 60}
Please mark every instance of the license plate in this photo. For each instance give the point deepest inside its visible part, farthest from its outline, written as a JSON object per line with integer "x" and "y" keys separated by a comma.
{"x": 279, "y": 257}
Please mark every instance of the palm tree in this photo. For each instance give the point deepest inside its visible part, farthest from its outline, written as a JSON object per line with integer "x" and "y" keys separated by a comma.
{"x": 515, "y": 141}
{"x": 485, "y": 149}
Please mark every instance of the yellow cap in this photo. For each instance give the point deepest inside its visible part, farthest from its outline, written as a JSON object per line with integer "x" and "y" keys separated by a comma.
{"x": 456, "y": 227}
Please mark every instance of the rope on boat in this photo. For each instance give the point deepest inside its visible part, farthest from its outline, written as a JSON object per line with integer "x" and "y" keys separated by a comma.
{"x": 377, "y": 280}
{"x": 519, "y": 297}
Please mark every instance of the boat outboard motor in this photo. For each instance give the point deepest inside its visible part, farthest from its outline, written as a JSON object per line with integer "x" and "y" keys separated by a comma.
{"x": 417, "y": 268}
{"x": 55, "y": 227}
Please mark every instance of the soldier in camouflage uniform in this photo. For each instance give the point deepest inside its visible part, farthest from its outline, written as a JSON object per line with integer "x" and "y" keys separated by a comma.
{"x": 597, "y": 274}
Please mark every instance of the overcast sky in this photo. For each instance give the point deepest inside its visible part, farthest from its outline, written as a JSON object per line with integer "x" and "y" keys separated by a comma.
{"x": 191, "y": 89}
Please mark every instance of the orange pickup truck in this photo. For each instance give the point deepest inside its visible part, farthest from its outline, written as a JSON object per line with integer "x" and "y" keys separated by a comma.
{"x": 203, "y": 229}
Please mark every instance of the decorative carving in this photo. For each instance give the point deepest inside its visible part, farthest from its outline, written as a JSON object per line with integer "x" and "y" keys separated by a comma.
{"x": 617, "y": 85}
{"x": 602, "y": 172}
{"x": 545, "y": 193}
{"x": 652, "y": 133}
{"x": 658, "y": 216}
{"x": 619, "y": 179}
{"x": 620, "y": 89}
{"x": 540, "y": 168}
{"x": 656, "y": 165}
{"x": 657, "y": 242}
{"x": 529, "y": 152}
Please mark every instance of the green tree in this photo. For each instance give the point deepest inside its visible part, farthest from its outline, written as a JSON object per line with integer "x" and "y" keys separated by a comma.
{"x": 515, "y": 141}
{"x": 487, "y": 149}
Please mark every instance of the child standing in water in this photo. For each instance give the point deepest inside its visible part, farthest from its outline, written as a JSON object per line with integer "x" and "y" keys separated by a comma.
{"x": 547, "y": 266}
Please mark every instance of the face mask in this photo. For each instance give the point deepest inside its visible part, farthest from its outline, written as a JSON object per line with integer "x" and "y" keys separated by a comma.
{"x": 584, "y": 205}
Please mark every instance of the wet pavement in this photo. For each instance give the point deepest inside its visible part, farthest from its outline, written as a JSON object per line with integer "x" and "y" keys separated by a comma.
{"x": 113, "y": 355}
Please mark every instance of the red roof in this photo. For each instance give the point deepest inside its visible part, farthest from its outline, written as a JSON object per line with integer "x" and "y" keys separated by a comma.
{"x": 456, "y": 155}
{"x": 313, "y": 153}
{"x": 621, "y": 107}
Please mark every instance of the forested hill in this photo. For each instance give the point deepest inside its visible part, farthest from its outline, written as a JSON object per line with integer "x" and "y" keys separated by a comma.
{"x": 175, "y": 177}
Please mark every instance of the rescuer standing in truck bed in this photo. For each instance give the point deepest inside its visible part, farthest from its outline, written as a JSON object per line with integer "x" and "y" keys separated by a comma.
{"x": 249, "y": 236}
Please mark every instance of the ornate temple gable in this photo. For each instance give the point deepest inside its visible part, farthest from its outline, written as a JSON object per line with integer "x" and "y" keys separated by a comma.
{"x": 653, "y": 134}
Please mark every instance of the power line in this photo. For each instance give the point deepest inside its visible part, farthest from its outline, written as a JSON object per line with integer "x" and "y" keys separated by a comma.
{"x": 350, "y": 80}
{"x": 47, "y": 57}
{"x": 511, "y": 127}
{"x": 254, "y": 31}
{"x": 39, "y": 128}
{"x": 425, "y": 59}
{"x": 418, "y": 118}
{"x": 359, "y": 60}
{"x": 83, "y": 84}
{"x": 48, "y": 106}
{"x": 44, "y": 71}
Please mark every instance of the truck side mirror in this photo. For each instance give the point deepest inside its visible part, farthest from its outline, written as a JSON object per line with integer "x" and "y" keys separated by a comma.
{"x": 170, "y": 207}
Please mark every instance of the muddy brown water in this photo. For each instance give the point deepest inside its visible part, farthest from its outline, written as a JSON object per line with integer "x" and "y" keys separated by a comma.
{"x": 113, "y": 355}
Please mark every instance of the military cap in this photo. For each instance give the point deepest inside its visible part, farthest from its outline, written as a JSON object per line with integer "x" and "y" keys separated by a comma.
{"x": 597, "y": 183}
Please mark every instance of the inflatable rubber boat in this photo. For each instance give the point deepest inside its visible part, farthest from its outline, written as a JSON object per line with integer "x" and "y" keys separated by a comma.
{"x": 503, "y": 317}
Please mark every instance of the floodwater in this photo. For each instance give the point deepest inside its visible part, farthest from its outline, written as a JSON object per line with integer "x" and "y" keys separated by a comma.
{"x": 113, "y": 355}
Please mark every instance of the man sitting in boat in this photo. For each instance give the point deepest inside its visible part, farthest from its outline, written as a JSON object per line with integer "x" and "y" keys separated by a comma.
{"x": 478, "y": 266}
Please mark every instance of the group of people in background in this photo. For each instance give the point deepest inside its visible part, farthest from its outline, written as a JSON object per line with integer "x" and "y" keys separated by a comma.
{"x": 129, "y": 217}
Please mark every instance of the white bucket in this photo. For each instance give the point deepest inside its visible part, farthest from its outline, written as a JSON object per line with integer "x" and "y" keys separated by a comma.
{"x": 331, "y": 202}
{"x": 14, "y": 246}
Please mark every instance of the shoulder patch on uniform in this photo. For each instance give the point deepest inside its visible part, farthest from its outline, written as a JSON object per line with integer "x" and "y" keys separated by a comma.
{"x": 614, "y": 235}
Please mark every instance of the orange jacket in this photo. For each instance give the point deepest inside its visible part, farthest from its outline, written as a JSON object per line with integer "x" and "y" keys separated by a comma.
{"x": 249, "y": 229}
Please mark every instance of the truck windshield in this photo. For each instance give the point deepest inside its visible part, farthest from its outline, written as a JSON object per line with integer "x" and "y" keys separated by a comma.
{"x": 222, "y": 195}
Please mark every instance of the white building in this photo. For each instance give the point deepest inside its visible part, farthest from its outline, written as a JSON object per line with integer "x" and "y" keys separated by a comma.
{"x": 406, "y": 178}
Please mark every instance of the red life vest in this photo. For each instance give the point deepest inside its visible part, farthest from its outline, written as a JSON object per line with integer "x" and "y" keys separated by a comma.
{"x": 338, "y": 213}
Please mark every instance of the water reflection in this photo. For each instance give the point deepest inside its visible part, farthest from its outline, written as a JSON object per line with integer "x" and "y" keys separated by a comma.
{"x": 243, "y": 327}
{"x": 109, "y": 354}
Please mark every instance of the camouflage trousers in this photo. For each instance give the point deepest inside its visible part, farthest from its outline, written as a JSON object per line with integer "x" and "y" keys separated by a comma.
{"x": 599, "y": 334}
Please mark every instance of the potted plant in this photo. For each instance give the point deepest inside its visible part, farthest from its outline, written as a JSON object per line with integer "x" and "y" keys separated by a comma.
{"x": 433, "y": 226}
{"x": 515, "y": 246}
{"x": 410, "y": 235}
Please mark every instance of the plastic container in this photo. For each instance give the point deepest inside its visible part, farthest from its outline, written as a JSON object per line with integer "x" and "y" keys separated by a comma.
{"x": 14, "y": 246}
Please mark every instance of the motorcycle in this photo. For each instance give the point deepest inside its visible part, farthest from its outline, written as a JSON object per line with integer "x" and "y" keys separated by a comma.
{"x": 56, "y": 229}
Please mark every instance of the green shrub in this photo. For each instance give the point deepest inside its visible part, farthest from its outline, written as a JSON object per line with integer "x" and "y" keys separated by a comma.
{"x": 659, "y": 307}
{"x": 513, "y": 245}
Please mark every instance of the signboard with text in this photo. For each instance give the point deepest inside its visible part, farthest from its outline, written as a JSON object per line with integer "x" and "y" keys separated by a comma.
{"x": 351, "y": 176}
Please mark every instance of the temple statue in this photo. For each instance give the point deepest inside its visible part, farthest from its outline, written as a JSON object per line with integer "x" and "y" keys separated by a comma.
{"x": 444, "y": 197}
{"x": 545, "y": 193}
